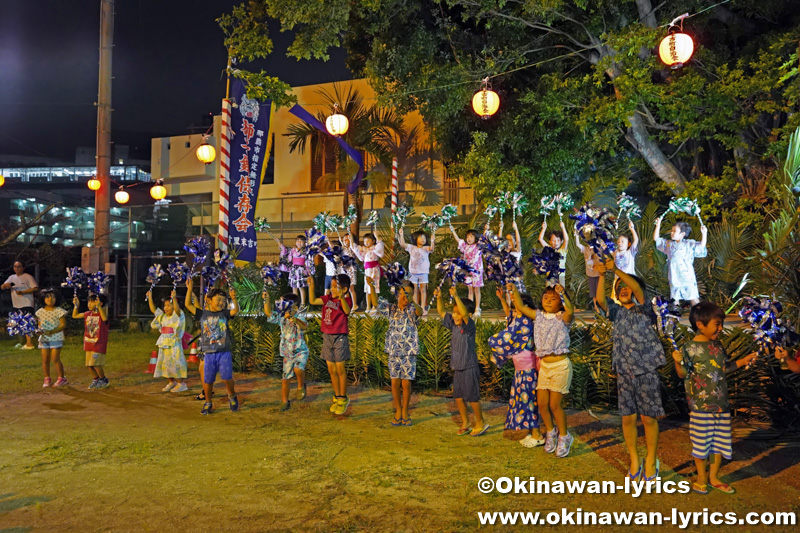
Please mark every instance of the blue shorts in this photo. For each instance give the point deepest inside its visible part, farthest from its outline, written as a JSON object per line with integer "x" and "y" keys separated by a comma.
{"x": 48, "y": 345}
{"x": 417, "y": 279}
{"x": 214, "y": 362}
{"x": 328, "y": 280}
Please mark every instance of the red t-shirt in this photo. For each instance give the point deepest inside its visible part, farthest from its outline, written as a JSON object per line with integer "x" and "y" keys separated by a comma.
{"x": 334, "y": 321}
{"x": 95, "y": 333}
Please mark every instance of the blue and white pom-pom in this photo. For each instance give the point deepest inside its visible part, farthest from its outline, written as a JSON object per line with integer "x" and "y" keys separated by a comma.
{"x": 21, "y": 323}
{"x": 199, "y": 249}
{"x": 76, "y": 279}
{"x": 769, "y": 330}
{"x": 395, "y": 274}
{"x": 668, "y": 313}
{"x": 594, "y": 227}
{"x": 154, "y": 274}
{"x": 98, "y": 282}
{"x": 210, "y": 274}
{"x": 271, "y": 275}
{"x": 547, "y": 263}
{"x": 179, "y": 272}
{"x": 315, "y": 241}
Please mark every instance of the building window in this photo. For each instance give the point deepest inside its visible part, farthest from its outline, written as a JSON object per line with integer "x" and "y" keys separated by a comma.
{"x": 450, "y": 187}
{"x": 323, "y": 162}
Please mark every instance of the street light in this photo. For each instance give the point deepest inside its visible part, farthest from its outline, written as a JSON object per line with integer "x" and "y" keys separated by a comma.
{"x": 158, "y": 191}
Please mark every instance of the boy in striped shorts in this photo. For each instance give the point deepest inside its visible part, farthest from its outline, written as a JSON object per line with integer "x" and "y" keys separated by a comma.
{"x": 702, "y": 365}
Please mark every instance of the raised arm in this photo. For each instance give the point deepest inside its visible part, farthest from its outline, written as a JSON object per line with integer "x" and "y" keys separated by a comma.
{"x": 635, "y": 243}
{"x": 704, "y": 234}
{"x": 234, "y": 301}
{"x": 566, "y": 237}
{"x": 189, "y": 301}
{"x": 569, "y": 309}
{"x": 600, "y": 296}
{"x": 433, "y": 239}
{"x": 541, "y": 235}
{"x": 455, "y": 235}
{"x": 501, "y": 295}
{"x": 521, "y": 307}
{"x": 150, "y": 301}
{"x": 437, "y": 293}
{"x": 578, "y": 242}
{"x": 103, "y": 310}
{"x": 401, "y": 238}
{"x": 460, "y": 304}
{"x": 519, "y": 241}
{"x": 267, "y": 303}
{"x": 313, "y": 299}
{"x": 657, "y": 230}
{"x": 75, "y": 304}
{"x": 176, "y": 304}
{"x": 630, "y": 281}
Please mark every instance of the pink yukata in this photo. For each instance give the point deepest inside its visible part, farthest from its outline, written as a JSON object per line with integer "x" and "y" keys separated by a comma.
{"x": 474, "y": 258}
{"x": 371, "y": 258}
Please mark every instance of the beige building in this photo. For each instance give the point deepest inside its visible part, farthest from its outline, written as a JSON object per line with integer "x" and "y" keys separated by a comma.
{"x": 291, "y": 194}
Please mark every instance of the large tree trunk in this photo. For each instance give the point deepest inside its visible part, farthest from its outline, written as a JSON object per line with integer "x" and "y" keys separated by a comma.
{"x": 640, "y": 139}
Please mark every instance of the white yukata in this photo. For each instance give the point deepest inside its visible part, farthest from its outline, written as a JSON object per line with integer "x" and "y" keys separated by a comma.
{"x": 371, "y": 258}
{"x": 171, "y": 361}
{"x": 680, "y": 263}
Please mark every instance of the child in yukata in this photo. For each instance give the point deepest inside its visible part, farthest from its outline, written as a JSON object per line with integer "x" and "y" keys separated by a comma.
{"x": 681, "y": 253}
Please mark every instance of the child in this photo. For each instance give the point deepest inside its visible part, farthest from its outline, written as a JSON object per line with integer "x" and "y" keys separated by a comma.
{"x": 474, "y": 257}
{"x": 95, "y": 336}
{"x": 52, "y": 322}
{"x": 194, "y": 303}
{"x": 702, "y": 365}
{"x": 171, "y": 324}
{"x": 419, "y": 265}
{"x": 558, "y": 241}
{"x": 625, "y": 257}
{"x": 402, "y": 345}
{"x": 349, "y": 271}
{"x": 636, "y": 356}
{"x": 793, "y": 363}
{"x": 680, "y": 253}
{"x": 216, "y": 344}
{"x": 335, "y": 342}
{"x": 592, "y": 275}
{"x": 464, "y": 361}
{"x": 370, "y": 254}
{"x": 515, "y": 249}
{"x": 301, "y": 266}
{"x": 294, "y": 350}
{"x": 515, "y": 342}
{"x": 330, "y": 269}
{"x": 551, "y": 337}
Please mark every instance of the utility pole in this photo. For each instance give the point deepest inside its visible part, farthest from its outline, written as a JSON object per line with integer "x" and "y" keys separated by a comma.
{"x": 102, "y": 197}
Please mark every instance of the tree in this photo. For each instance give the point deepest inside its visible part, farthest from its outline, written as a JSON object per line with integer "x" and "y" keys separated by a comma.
{"x": 9, "y": 235}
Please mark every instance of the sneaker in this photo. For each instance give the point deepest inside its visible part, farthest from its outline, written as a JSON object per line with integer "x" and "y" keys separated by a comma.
{"x": 182, "y": 387}
{"x": 342, "y": 405}
{"x": 550, "y": 441}
{"x": 301, "y": 393}
{"x": 60, "y": 382}
{"x": 334, "y": 405}
{"x": 564, "y": 445}
{"x": 234, "y": 402}
{"x": 95, "y": 383}
{"x": 207, "y": 409}
{"x": 18, "y": 345}
{"x": 477, "y": 313}
{"x": 530, "y": 442}
{"x": 425, "y": 312}
{"x": 102, "y": 383}
{"x": 168, "y": 386}
{"x": 26, "y": 347}
{"x": 285, "y": 406}
{"x": 46, "y": 383}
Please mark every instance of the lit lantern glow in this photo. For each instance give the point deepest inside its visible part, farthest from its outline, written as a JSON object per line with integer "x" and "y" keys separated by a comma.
{"x": 2, "y": 180}
{"x": 158, "y": 191}
{"x": 676, "y": 49}
{"x": 485, "y": 103}
{"x": 121, "y": 196}
{"x": 337, "y": 124}
{"x": 206, "y": 153}
{"x": 93, "y": 184}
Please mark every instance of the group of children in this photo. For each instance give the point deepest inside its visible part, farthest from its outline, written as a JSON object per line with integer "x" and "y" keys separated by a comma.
{"x": 537, "y": 341}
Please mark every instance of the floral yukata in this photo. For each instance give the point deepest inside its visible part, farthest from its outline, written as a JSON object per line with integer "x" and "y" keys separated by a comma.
{"x": 294, "y": 350}
{"x": 474, "y": 258}
{"x": 402, "y": 340}
{"x": 371, "y": 257}
{"x": 171, "y": 361}
{"x": 514, "y": 343}
{"x": 680, "y": 262}
{"x": 301, "y": 265}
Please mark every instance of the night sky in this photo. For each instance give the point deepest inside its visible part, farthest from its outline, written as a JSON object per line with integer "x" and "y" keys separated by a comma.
{"x": 168, "y": 63}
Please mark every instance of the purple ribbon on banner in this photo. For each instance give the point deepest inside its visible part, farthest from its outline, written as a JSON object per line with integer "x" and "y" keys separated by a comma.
{"x": 307, "y": 117}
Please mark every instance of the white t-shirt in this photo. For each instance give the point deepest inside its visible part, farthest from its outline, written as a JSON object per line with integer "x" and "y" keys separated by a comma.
{"x": 330, "y": 267}
{"x": 21, "y": 283}
{"x": 625, "y": 261}
{"x": 419, "y": 263}
{"x": 51, "y": 320}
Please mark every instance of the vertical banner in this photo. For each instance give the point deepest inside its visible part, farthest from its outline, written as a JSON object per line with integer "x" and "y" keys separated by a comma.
{"x": 250, "y": 137}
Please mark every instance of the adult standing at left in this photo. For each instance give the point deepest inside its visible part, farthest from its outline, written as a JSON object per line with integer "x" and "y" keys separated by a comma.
{"x": 22, "y": 287}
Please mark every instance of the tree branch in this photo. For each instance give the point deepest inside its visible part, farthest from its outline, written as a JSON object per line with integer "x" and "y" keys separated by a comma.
{"x": 26, "y": 225}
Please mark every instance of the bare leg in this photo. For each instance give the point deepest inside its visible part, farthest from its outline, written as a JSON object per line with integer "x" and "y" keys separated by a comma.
{"x": 396, "y": 402}
{"x": 559, "y": 416}
{"x": 55, "y": 353}
{"x": 301, "y": 377}
{"x": 302, "y": 296}
{"x": 631, "y": 434}
{"x": 702, "y": 475}
{"x": 334, "y": 378}
{"x": 406, "y": 397}
{"x": 208, "y": 391}
{"x": 342, "y": 375}
{"x": 423, "y": 294}
{"x": 543, "y": 399}
{"x": 229, "y": 386}
{"x": 651, "y": 438}
{"x": 29, "y": 341}
{"x": 416, "y": 294}
{"x": 462, "y": 410}
{"x": 284, "y": 390}
{"x": 713, "y": 476}
{"x": 477, "y": 291}
{"x": 100, "y": 372}
{"x": 353, "y": 295}
{"x": 46, "y": 362}
{"x": 476, "y": 409}
{"x": 470, "y": 294}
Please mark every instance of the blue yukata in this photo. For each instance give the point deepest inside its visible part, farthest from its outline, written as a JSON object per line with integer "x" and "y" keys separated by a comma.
{"x": 402, "y": 340}
{"x": 514, "y": 343}
{"x": 293, "y": 348}
{"x": 680, "y": 263}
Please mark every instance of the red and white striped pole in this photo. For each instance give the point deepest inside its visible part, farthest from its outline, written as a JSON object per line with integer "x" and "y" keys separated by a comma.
{"x": 394, "y": 185}
{"x": 224, "y": 174}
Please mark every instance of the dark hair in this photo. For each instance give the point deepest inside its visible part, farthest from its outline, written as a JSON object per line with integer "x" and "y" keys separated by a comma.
{"x": 637, "y": 279}
{"x": 527, "y": 300}
{"x": 216, "y": 292}
{"x": 704, "y": 312}
{"x": 684, "y": 228}
{"x": 102, "y": 297}
{"x": 166, "y": 299}
{"x": 336, "y": 243}
{"x": 291, "y": 297}
{"x": 406, "y": 284}
{"x": 302, "y": 238}
{"x": 415, "y": 236}
{"x": 474, "y": 233}
{"x": 627, "y": 236}
{"x": 20, "y": 263}
{"x": 557, "y": 232}
{"x": 470, "y": 305}
{"x": 552, "y": 290}
{"x": 48, "y": 292}
{"x": 343, "y": 280}
{"x": 370, "y": 236}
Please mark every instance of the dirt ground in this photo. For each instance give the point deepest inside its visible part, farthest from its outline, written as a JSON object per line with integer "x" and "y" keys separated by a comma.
{"x": 131, "y": 458}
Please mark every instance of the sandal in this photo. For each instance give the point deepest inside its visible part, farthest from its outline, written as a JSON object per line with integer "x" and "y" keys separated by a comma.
{"x": 202, "y": 396}
{"x": 638, "y": 473}
{"x": 724, "y": 487}
{"x": 699, "y": 489}
{"x": 481, "y": 432}
{"x": 464, "y": 431}
{"x": 653, "y": 478}
{"x": 207, "y": 409}
{"x": 405, "y": 422}
{"x": 397, "y": 422}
